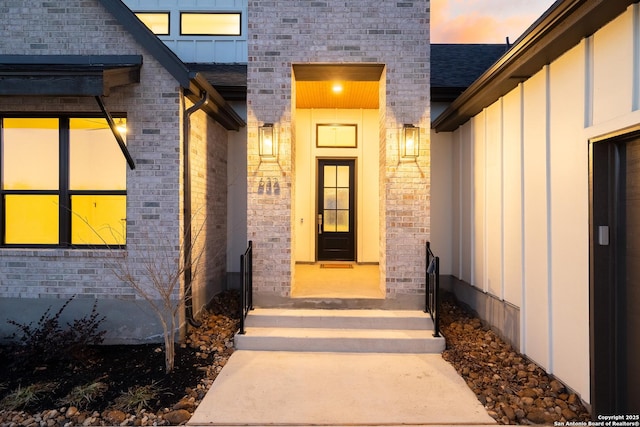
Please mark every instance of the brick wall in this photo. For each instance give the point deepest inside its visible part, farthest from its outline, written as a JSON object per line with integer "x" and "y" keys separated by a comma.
{"x": 209, "y": 206}
{"x": 396, "y": 34}
{"x": 154, "y": 110}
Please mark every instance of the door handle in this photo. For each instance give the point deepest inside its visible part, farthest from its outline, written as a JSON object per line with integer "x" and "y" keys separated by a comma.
{"x": 603, "y": 235}
{"x": 319, "y": 223}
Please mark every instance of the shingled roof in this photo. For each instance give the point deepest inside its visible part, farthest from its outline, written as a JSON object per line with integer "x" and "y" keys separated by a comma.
{"x": 559, "y": 29}
{"x": 455, "y": 66}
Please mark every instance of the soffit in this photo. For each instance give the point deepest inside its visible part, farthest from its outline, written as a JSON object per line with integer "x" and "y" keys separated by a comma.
{"x": 360, "y": 85}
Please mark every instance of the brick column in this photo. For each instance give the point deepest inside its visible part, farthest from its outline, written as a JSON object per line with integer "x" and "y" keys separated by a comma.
{"x": 396, "y": 34}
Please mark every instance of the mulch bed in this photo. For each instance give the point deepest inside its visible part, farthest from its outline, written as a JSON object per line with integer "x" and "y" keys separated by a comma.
{"x": 125, "y": 373}
{"x": 513, "y": 389}
{"x": 120, "y": 367}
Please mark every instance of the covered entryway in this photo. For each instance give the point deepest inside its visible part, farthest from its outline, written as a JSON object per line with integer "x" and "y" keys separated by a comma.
{"x": 615, "y": 275}
{"x": 337, "y": 162}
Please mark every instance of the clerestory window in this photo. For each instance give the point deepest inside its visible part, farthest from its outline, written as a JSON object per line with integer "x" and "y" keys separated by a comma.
{"x": 157, "y": 22}
{"x": 62, "y": 182}
{"x": 209, "y": 24}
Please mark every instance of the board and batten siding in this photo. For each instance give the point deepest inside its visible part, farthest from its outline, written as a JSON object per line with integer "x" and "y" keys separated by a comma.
{"x": 520, "y": 202}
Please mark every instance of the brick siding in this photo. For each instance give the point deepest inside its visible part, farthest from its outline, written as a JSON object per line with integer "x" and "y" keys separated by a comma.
{"x": 282, "y": 33}
{"x": 154, "y": 135}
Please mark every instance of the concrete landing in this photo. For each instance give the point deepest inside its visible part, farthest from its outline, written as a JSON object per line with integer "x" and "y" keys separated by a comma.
{"x": 338, "y": 389}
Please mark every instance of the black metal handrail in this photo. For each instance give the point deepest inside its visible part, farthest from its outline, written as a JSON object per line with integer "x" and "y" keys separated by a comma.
{"x": 246, "y": 273}
{"x": 432, "y": 289}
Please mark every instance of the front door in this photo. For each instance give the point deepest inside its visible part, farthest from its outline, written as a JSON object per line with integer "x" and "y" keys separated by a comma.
{"x": 336, "y": 210}
{"x": 615, "y": 287}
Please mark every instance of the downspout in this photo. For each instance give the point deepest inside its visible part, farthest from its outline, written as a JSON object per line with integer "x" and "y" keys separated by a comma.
{"x": 186, "y": 138}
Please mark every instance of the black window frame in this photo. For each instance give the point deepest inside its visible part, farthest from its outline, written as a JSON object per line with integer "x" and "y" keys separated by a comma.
{"x": 63, "y": 192}
{"x": 182, "y": 33}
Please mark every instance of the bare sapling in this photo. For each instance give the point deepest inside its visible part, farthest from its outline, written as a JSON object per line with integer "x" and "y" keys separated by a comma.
{"x": 155, "y": 271}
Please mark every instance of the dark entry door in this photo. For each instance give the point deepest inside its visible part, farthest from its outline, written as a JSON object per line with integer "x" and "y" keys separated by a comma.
{"x": 615, "y": 287}
{"x": 336, "y": 210}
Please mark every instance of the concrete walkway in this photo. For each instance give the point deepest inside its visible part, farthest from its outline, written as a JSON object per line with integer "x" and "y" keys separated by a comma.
{"x": 264, "y": 388}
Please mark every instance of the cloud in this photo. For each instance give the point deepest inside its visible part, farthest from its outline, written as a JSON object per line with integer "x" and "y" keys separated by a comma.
{"x": 476, "y": 28}
{"x": 482, "y": 21}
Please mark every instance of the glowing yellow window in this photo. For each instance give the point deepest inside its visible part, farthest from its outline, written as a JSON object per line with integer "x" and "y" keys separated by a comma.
{"x": 31, "y": 219}
{"x": 96, "y": 162}
{"x": 157, "y": 22}
{"x": 210, "y": 24}
{"x": 48, "y": 198}
{"x": 30, "y": 154}
{"x": 98, "y": 220}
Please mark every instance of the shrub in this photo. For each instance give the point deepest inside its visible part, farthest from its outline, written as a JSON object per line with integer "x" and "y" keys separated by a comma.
{"x": 22, "y": 398}
{"x": 137, "y": 398}
{"x": 47, "y": 340}
{"x": 81, "y": 396}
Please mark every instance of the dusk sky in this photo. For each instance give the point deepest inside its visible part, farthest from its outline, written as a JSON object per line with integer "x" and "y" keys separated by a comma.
{"x": 483, "y": 21}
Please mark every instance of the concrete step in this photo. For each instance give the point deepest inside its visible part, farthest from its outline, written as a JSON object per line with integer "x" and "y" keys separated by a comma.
{"x": 358, "y": 331}
{"x": 348, "y": 319}
{"x": 340, "y": 340}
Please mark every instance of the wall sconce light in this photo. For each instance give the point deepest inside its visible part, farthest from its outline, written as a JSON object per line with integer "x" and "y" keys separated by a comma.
{"x": 267, "y": 141}
{"x": 410, "y": 147}
{"x": 121, "y": 125}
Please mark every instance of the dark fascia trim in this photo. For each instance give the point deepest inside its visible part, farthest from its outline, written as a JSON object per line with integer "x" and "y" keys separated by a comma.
{"x": 148, "y": 40}
{"x": 67, "y": 75}
{"x": 559, "y": 29}
{"x": 220, "y": 110}
{"x": 217, "y": 107}
{"x": 69, "y": 61}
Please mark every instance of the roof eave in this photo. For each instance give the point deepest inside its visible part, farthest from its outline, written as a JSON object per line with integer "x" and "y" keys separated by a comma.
{"x": 193, "y": 82}
{"x": 217, "y": 107}
{"x": 150, "y": 41}
{"x": 67, "y": 75}
{"x": 562, "y": 27}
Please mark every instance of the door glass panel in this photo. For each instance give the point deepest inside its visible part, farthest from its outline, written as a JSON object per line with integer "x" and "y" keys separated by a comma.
{"x": 336, "y": 198}
{"x": 342, "y": 221}
{"x": 329, "y": 220}
{"x": 343, "y": 176}
{"x": 342, "y": 197}
{"x": 330, "y": 198}
{"x": 329, "y": 176}
{"x": 30, "y": 154}
{"x": 33, "y": 219}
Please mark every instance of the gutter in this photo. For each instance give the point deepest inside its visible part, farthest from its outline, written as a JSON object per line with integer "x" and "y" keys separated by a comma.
{"x": 558, "y": 30}
{"x": 186, "y": 138}
{"x": 217, "y": 107}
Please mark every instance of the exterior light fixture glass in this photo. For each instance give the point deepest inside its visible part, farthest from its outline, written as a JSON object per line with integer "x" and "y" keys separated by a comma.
{"x": 267, "y": 141}
{"x": 410, "y": 147}
{"x": 121, "y": 126}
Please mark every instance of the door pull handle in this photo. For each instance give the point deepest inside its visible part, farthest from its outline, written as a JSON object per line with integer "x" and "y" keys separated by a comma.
{"x": 319, "y": 223}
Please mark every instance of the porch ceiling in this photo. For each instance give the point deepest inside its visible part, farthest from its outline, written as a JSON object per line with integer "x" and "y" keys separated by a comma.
{"x": 360, "y": 85}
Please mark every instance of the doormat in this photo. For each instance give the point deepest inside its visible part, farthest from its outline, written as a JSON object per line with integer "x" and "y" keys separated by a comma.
{"x": 336, "y": 265}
